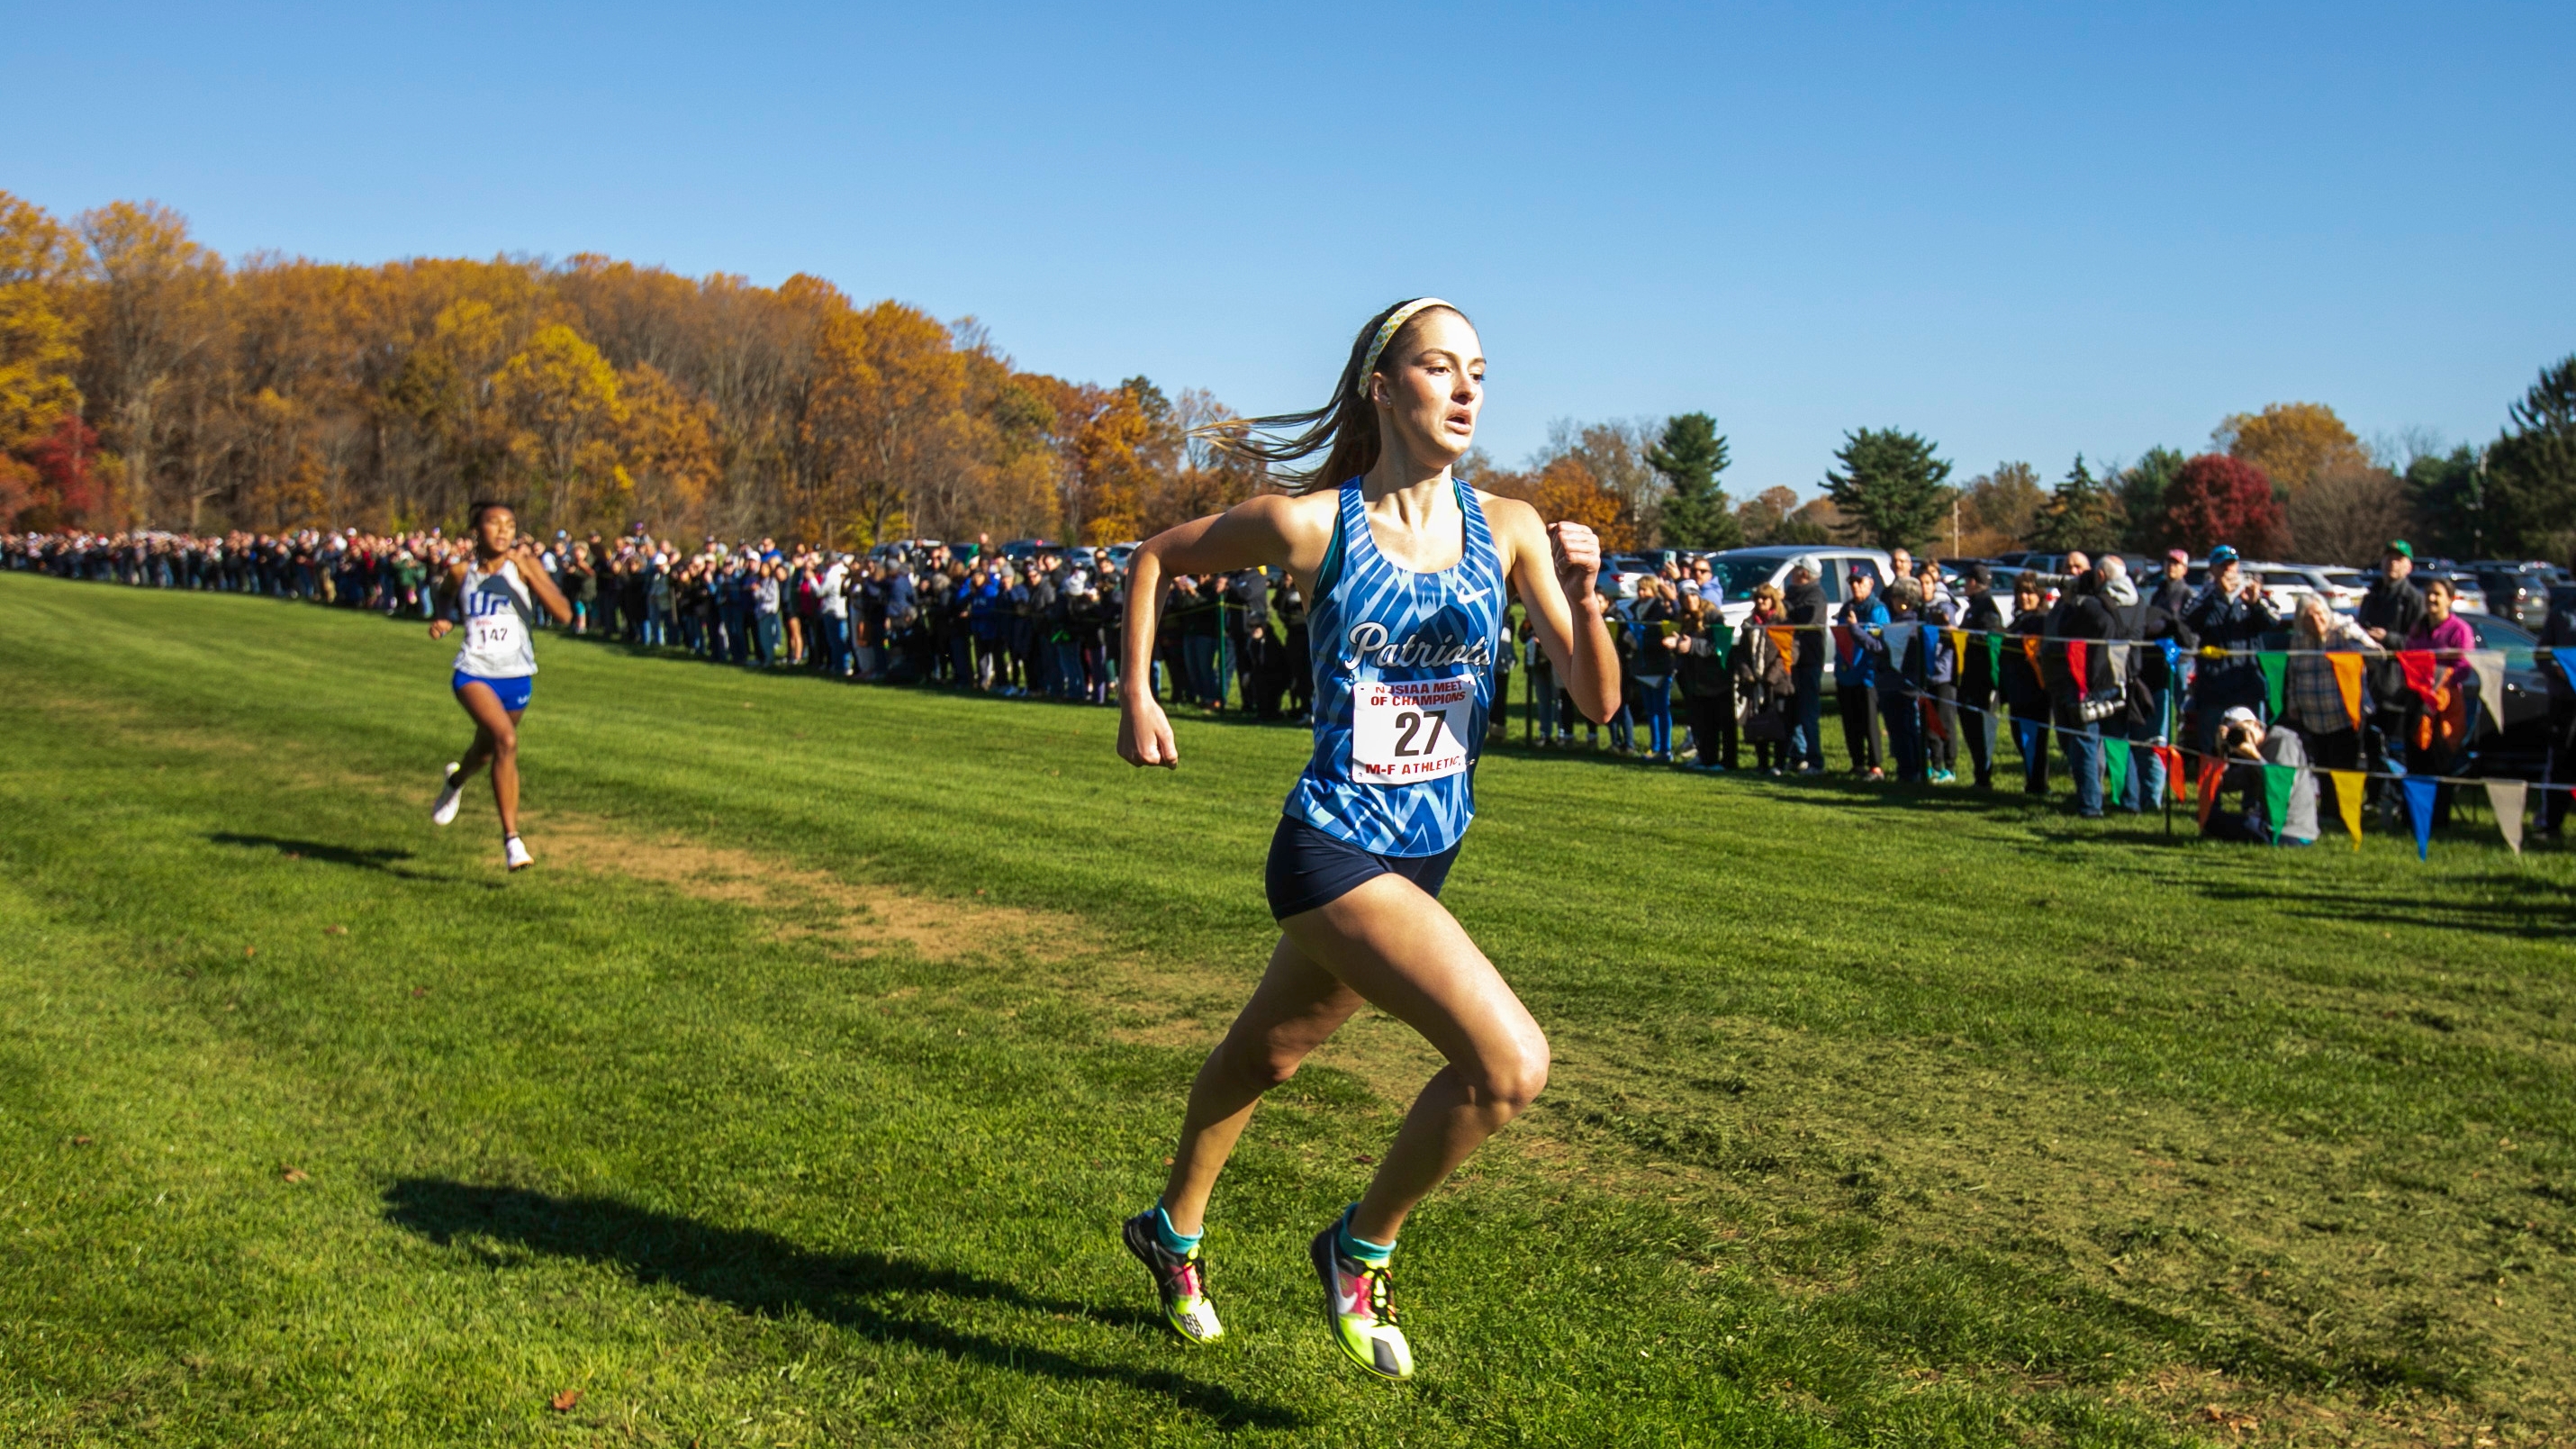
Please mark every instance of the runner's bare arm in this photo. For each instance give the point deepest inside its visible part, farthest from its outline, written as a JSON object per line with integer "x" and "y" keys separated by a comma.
{"x": 540, "y": 584}
{"x": 1553, "y": 566}
{"x": 1274, "y": 531}
{"x": 443, "y": 596}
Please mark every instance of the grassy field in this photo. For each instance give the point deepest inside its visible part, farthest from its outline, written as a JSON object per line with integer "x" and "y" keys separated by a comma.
{"x": 795, "y": 1097}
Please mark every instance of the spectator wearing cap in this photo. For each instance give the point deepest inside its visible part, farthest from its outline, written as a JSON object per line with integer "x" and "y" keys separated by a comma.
{"x": 1856, "y": 674}
{"x": 2247, "y": 745}
{"x": 2228, "y": 613}
{"x": 2388, "y": 613}
{"x": 1804, "y": 603}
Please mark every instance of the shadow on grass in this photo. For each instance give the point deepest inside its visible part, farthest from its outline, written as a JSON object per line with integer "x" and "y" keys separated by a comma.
{"x": 385, "y": 860}
{"x": 758, "y": 1272}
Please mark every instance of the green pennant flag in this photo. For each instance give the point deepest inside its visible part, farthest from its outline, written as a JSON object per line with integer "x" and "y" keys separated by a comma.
{"x": 2115, "y": 755}
{"x": 2278, "y": 781}
{"x": 1995, "y": 658}
{"x": 2276, "y": 678}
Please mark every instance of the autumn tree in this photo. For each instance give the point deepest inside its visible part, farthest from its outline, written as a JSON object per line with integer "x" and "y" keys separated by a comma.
{"x": 1892, "y": 490}
{"x": 1567, "y": 490}
{"x": 2347, "y": 515}
{"x": 566, "y": 417}
{"x": 1997, "y": 508}
{"x": 2217, "y": 499}
{"x": 153, "y": 306}
{"x": 2531, "y": 470}
{"x": 2293, "y": 443}
{"x": 39, "y": 259}
{"x": 1758, "y": 519}
{"x": 1689, "y": 456}
{"x": 2081, "y": 513}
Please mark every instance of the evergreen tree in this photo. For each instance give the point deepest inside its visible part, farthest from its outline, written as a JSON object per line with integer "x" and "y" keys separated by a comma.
{"x": 2142, "y": 497}
{"x": 2442, "y": 493}
{"x": 2082, "y": 512}
{"x": 1892, "y": 489}
{"x": 1689, "y": 457}
{"x": 2531, "y": 470}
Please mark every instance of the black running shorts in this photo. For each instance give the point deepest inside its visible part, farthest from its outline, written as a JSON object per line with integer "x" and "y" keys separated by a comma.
{"x": 1308, "y": 868}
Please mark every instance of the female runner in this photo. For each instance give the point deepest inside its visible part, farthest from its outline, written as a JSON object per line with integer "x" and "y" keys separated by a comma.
{"x": 1408, "y": 570}
{"x": 496, "y": 670}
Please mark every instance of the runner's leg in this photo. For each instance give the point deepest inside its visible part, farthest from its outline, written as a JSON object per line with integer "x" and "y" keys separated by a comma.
{"x": 496, "y": 739}
{"x": 1295, "y": 1008}
{"x": 1395, "y": 945}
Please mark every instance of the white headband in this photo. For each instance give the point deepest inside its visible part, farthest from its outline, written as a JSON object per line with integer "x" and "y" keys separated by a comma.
{"x": 1386, "y": 331}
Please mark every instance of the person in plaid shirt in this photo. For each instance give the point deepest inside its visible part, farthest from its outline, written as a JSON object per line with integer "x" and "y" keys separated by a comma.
{"x": 2315, "y": 702}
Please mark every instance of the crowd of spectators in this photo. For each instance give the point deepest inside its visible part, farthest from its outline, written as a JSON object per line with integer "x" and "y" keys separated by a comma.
{"x": 2089, "y": 672}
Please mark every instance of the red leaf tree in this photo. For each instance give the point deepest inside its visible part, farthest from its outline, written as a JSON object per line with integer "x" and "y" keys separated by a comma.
{"x": 2217, "y": 499}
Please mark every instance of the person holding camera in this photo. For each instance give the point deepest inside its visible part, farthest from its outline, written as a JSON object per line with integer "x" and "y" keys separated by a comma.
{"x": 2248, "y": 746}
{"x": 2083, "y": 689}
{"x": 2228, "y": 614}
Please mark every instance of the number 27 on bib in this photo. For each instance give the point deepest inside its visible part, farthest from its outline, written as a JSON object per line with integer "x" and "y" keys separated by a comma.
{"x": 1401, "y": 733}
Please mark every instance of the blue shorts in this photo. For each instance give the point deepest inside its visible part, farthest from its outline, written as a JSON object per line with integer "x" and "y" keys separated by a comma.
{"x": 1309, "y": 868}
{"x": 513, "y": 692}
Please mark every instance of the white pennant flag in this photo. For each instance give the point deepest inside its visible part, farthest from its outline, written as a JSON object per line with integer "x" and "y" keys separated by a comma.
{"x": 2488, "y": 666}
{"x": 2506, "y": 797}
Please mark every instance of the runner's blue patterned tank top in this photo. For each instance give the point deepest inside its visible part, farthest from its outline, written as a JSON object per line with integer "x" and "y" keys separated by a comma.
{"x": 1404, "y": 681}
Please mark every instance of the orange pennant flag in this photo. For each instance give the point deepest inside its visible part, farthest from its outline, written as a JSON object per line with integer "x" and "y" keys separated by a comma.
{"x": 2347, "y": 789}
{"x": 2347, "y": 672}
{"x": 2212, "y": 776}
{"x": 2030, "y": 651}
{"x": 1784, "y": 640}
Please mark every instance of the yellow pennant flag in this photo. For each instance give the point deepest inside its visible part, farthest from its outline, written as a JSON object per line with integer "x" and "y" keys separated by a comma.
{"x": 1958, "y": 648}
{"x": 2347, "y": 672}
{"x": 2347, "y": 788}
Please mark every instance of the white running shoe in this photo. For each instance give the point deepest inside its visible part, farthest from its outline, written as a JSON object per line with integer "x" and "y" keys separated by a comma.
{"x": 516, "y": 851}
{"x": 451, "y": 794}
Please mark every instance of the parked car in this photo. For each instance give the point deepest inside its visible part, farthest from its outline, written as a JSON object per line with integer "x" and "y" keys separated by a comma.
{"x": 1740, "y": 570}
{"x": 2515, "y": 591}
{"x": 1621, "y": 571}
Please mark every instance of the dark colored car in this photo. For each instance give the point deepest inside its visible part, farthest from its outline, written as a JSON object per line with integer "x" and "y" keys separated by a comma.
{"x": 2515, "y": 591}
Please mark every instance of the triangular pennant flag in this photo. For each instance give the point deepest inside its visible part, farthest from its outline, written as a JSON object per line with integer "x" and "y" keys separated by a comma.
{"x": 1995, "y": 657}
{"x": 2212, "y": 775}
{"x": 1842, "y": 646}
{"x": 1932, "y": 722}
{"x": 1958, "y": 647}
{"x": 2507, "y": 797}
{"x": 2419, "y": 810}
{"x": 2276, "y": 675}
{"x": 2347, "y": 673}
{"x": 2566, "y": 664}
{"x": 2488, "y": 666}
{"x": 2278, "y": 782}
{"x": 1900, "y": 637}
{"x": 2347, "y": 786}
{"x": 2417, "y": 665}
{"x": 2115, "y": 758}
{"x": 1785, "y": 640}
{"x": 2077, "y": 657}
{"x": 2026, "y": 735}
{"x": 2030, "y": 650}
{"x": 2173, "y": 770}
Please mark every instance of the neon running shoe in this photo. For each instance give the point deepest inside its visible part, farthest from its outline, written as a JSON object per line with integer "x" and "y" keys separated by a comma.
{"x": 1181, "y": 1282}
{"x": 515, "y": 851}
{"x": 451, "y": 793}
{"x": 1359, "y": 1308}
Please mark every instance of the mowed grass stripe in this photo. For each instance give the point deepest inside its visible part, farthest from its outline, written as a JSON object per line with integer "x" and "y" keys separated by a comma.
{"x": 1858, "y": 1111}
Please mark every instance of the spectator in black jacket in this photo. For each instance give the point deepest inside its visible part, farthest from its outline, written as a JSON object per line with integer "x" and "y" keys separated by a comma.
{"x": 2080, "y": 681}
{"x": 2229, "y": 613}
{"x": 2024, "y": 694}
{"x": 1805, "y": 601}
{"x": 1978, "y": 687}
{"x": 2388, "y": 613}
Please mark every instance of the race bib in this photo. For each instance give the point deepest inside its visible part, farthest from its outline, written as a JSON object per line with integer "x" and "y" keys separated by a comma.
{"x": 495, "y": 633}
{"x": 1403, "y": 733}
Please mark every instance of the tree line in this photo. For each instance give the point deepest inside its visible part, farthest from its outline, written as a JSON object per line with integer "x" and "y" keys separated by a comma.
{"x": 147, "y": 381}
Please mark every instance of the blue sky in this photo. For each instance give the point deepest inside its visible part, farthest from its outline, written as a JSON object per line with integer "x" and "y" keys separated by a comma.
{"x": 2022, "y": 231}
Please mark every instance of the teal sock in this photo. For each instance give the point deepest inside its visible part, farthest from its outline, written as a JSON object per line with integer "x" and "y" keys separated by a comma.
{"x": 1350, "y": 1245}
{"x": 1172, "y": 1240}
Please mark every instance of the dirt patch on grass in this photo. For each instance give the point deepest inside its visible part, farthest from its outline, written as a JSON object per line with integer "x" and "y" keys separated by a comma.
{"x": 1145, "y": 1001}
